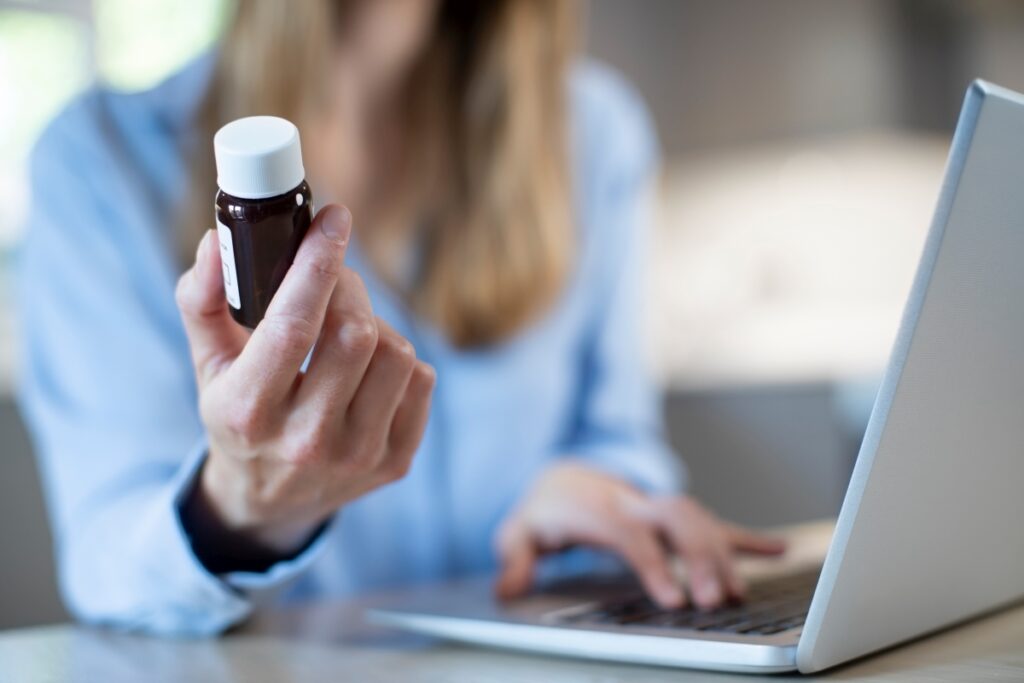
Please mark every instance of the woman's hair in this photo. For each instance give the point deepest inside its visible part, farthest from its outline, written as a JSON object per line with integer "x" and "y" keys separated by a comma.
{"x": 486, "y": 180}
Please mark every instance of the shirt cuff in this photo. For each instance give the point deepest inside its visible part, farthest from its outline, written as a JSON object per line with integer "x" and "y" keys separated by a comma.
{"x": 230, "y": 595}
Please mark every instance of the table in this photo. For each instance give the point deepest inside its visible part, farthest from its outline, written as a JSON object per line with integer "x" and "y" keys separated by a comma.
{"x": 324, "y": 643}
{"x": 329, "y": 641}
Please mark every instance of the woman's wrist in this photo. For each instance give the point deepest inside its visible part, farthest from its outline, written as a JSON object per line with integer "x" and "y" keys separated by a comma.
{"x": 226, "y": 536}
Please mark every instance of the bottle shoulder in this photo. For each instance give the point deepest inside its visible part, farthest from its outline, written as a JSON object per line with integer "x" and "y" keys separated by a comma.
{"x": 297, "y": 199}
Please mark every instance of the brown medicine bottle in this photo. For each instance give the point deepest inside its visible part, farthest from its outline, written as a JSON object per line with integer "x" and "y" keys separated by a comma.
{"x": 263, "y": 210}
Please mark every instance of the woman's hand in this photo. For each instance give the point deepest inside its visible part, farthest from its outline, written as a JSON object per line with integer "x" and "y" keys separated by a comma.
{"x": 573, "y": 504}
{"x": 288, "y": 448}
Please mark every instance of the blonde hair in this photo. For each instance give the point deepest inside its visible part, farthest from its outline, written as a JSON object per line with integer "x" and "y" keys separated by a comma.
{"x": 487, "y": 184}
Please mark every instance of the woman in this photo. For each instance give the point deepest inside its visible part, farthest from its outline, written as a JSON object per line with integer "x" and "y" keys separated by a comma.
{"x": 498, "y": 192}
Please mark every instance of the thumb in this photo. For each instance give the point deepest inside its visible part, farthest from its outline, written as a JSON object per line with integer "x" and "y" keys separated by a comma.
{"x": 213, "y": 335}
{"x": 518, "y": 560}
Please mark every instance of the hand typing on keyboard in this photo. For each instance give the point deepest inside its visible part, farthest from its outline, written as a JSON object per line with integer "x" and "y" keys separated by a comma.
{"x": 572, "y": 504}
{"x": 772, "y": 606}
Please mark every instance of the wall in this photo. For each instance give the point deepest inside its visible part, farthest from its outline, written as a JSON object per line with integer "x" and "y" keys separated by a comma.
{"x": 731, "y": 72}
{"x": 28, "y": 592}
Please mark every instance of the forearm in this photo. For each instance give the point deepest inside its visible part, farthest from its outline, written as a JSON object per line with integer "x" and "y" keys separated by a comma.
{"x": 129, "y": 560}
{"x": 126, "y": 561}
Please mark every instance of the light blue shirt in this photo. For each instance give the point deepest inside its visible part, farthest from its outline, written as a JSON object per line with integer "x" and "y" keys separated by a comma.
{"x": 107, "y": 386}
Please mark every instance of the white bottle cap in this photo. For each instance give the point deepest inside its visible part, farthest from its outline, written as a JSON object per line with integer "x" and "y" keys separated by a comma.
{"x": 258, "y": 157}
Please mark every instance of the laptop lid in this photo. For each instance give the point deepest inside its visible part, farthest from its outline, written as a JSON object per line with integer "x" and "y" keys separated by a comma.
{"x": 932, "y": 528}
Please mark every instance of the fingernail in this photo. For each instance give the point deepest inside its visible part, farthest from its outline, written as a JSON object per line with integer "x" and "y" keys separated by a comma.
{"x": 671, "y": 596}
{"x": 505, "y": 588}
{"x": 336, "y": 224}
{"x": 710, "y": 593}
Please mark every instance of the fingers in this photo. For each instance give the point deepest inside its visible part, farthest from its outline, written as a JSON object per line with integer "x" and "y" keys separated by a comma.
{"x": 733, "y": 584}
{"x": 704, "y": 578}
{"x": 596, "y": 517}
{"x": 518, "y": 557}
{"x": 270, "y": 362}
{"x": 388, "y": 459}
{"x": 345, "y": 347}
{"x": 749, "y": 541}
{"x": 373, "y": 407}
{"x": 410, "y": 420}
{"x": 213, "y": 335}
{"x": 709, "y": 570}
{"x": 640, "y": 546}
{"x": 708, "y": 546}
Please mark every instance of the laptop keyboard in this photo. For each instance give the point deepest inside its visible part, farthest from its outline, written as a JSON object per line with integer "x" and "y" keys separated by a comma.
{"x": 771, "y": 606}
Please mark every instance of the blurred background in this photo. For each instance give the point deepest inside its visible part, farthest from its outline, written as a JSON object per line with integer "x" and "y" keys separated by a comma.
{"x": 803, "y": 143}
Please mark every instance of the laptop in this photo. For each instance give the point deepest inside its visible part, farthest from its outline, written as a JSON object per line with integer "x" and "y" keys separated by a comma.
{"x": 931, "y": 531}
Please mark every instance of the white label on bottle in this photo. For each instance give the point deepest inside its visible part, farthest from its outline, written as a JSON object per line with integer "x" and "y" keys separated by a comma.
{"x": 227, "y": 261}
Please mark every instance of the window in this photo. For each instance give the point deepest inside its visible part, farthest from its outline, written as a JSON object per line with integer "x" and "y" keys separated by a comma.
{"x": 50, "y": 50}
